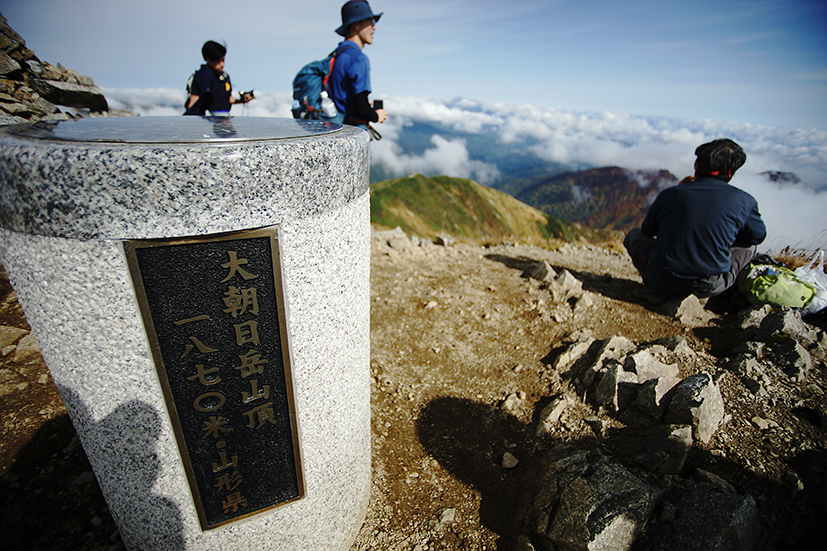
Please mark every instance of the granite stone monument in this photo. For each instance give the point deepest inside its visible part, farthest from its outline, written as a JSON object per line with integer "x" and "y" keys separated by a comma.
{"x": 199, "y": 288}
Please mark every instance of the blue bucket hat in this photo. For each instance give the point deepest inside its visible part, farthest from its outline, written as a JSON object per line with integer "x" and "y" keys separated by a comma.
{"x": 353, "y": 11}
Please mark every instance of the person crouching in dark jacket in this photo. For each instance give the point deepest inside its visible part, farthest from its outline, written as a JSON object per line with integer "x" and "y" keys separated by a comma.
{"x": 699, "y": 234}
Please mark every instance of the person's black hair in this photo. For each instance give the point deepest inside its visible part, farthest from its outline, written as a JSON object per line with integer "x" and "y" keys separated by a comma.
{"x": 213, "y": 51}
{"x": 720, "y": 158}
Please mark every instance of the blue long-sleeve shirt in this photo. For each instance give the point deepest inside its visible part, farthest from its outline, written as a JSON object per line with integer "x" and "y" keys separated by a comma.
{"x": 696, "y": 223}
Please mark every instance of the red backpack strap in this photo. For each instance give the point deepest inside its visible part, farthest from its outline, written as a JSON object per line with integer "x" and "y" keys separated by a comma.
{"x": 332, "y": 56}
{"x": 329, "y": 70}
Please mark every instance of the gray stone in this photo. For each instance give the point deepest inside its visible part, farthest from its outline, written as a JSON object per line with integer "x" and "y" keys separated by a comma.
{"x": 7, "y": 64}
{"x": 444, "y": 239}
{"x": 550, "y": 415}
{"x": 565, "y": 286}
{"x": 794, "y": 359}
{"x": 27, "y": 350}
{"x": 616, "y": 388}
{"x": 572, "y": 353}
{"x": 6, "y": 119}
{"x": 818, "y": 350}
{"x": 677, "y": 344}
{"x": 585, "y": 502}
{"x": 400, "y": 243}
{"x": 646, "y": 366}
{"x": 743, "y": 364}
{"x": 786, "y": 321}
{"x": 541, "y": 271}
{"x": 509, "y": 461}
{"x": 513, "y": 401}
{"x": 71, "y": 95}
{"x": 10, "y": 335}
{"x": 697, "y": 402}
{"x": 689, "y": 311}
{"x": 613, "y": 348}
{"x": 710, "y": 521}
{"x": 86, "y": 477}
{"x": 714, "y": 481}
{"x": 584, "y": 303}
{"x": 653, "y": 396}
{"x": 34, "y": 67}
{"x": 751, "y": 318}
{"x": 660, "y": 448}
{"x": 752, "y": 348}
{"x": 386, "y": 235}
{"x": 444, "y": 517}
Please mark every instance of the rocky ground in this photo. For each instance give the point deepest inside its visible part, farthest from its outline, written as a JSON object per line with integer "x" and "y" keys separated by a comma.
{"x": 507, "y": 395}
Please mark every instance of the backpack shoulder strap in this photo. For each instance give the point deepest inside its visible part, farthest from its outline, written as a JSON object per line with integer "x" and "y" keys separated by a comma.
{"x": 333, "y": 55}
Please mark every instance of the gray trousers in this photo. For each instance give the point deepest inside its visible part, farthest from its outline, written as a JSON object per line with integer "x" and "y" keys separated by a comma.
{"x": 639, "y": 245}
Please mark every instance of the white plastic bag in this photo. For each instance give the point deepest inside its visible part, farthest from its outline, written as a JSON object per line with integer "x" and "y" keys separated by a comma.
{"x": 813, "y": 273}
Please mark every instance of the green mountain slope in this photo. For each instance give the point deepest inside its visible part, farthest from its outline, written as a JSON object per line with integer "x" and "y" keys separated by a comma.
{"x": 464, "y": 209}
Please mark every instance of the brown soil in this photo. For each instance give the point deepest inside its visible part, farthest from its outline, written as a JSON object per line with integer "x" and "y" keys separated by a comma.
{"x": 454, "y": 332}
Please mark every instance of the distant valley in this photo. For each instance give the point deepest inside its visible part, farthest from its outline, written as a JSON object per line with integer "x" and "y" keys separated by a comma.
{"x": 529, "y": 199}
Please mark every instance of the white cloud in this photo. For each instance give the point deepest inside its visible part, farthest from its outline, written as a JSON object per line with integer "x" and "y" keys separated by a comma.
{"x": 603, "y": 139}
{"x": 159, "y": 102}
{"x": 447, "y": 157}
{"x": 794, "y": 214}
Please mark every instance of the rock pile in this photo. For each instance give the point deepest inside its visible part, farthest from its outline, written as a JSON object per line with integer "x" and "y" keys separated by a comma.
{"x": 657, "y": 405}
{"x": 32, "y": 90}
{"x": 603, "y": 499}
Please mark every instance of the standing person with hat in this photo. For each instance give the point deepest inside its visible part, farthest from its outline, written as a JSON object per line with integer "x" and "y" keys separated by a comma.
{"x": 349, "y": 80}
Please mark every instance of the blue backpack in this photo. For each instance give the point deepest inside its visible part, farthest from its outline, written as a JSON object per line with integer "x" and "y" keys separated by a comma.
{"x": 308, "y": 85}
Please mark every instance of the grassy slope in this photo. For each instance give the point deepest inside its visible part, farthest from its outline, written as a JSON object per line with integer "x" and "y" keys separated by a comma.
{"x": 464, "y": 209}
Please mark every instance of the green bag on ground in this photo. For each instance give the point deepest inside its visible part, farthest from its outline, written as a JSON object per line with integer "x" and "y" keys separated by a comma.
{"x": 775, "y": 285}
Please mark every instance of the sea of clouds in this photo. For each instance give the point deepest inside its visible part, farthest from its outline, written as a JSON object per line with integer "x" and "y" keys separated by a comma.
{"x": 794, "y": 212}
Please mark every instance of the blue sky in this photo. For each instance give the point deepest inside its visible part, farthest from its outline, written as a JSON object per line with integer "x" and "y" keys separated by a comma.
{"x": 757, "y": 61}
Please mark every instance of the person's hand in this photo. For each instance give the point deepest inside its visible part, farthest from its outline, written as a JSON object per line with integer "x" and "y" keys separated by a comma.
{"x": 247, "y": 97}
{"x": 382, "y": 114}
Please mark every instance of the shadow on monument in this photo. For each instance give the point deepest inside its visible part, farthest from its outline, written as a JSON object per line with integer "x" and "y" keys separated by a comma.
{"x": 52, "y": 500}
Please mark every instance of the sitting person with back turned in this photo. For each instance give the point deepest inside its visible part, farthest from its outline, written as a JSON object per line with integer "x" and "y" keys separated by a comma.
{"x": 211, "y": 90}
{"x": 699, "y": 234}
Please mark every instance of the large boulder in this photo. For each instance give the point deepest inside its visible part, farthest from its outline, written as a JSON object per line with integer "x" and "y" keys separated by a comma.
{"x": 71, "y": 95}
{"x": 697, "y": 401}
{"x": 710, "y": 521}
{"x": 585, "y": 502}
{"x": 662, "y": 449}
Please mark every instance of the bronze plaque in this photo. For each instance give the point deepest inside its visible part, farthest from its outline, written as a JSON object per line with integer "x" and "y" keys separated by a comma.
{"x": 213, "y": 309}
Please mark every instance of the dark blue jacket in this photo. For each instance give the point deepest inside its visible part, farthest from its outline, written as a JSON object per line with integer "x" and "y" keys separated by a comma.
{"x": 213, "y": 91}
{"x": 696, "y": 223}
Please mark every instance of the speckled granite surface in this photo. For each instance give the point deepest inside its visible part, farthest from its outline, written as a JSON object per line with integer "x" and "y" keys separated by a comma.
{"x": 147, "y": 190}
{"x": 64, "y": 213}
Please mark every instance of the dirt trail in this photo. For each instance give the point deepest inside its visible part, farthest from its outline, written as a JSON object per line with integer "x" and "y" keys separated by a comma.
{"x": 461, "y": 351}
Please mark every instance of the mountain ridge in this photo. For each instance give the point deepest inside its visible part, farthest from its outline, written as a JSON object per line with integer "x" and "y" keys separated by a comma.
{"x": 596, "y": 204}
{"x": 466, "y": 210}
